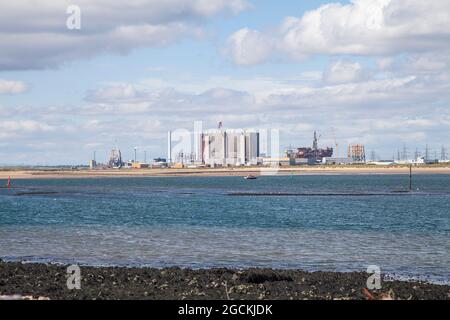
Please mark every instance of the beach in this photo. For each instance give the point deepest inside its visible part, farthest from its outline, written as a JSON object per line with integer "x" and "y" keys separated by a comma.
{"x": 198, "y": 172}
{"x": 44, "y": 281}
{"x": 210, "y": 237}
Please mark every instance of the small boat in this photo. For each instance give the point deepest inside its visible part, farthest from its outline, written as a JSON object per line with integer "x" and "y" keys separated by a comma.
{"x": 250, "y": 177}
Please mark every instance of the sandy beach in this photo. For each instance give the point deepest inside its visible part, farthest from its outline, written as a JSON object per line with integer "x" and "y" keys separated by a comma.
{"x": 49, "y": 282}
{"x": 342, "y": 170}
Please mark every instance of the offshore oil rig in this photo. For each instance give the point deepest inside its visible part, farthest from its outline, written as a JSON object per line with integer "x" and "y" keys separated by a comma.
{"x": 310, "y": 155}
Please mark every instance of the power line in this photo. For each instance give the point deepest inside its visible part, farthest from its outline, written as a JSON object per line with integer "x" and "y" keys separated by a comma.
{"x": 443, "y": 154}
{"x": 405, "y": 153}
{"x": 427, "y": 153}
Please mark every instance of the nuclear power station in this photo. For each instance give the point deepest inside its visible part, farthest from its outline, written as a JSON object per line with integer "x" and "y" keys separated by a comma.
{"x": 228, "y": 148}
{"x": 256, "y": 147}
{"x": 216, "y": 148}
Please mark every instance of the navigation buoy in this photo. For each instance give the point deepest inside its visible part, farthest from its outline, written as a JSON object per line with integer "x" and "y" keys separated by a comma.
{"x": 9, "y": 183}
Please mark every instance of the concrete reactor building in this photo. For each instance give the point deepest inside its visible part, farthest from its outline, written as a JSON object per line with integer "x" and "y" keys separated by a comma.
{"x": 219, "y": 148}
{"x": 229, "y": 148}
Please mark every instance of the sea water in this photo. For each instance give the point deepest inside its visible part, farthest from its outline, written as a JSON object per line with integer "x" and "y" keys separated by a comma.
{"x": 196, "y": 222}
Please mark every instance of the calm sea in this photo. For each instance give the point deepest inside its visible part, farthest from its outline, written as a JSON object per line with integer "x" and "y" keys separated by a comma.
{"x": 195, "y": 222}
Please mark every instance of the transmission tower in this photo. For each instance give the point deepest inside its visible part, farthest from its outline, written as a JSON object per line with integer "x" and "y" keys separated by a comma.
{"x": 405, "y": 153}
{"x": 416, "y": 154}
{"x": 443, "y": 154}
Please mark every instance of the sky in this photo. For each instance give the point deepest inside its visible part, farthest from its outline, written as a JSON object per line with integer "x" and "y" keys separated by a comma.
{"x": 374, "y": 72}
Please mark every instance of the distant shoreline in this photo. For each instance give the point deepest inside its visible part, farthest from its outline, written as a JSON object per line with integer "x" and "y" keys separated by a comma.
{"x": 221, "y": 172}
{"x": 49, "y": 281}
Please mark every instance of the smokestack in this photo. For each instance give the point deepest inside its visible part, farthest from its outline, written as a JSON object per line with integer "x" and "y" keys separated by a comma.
{"x": 169, "y": 147}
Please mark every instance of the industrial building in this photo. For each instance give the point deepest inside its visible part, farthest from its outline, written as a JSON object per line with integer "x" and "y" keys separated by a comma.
{"x": 357, "y": 152}
{"x": 382, "y": 162}
{"x": 336, "y": 161}
{"x": 115, "y": 158}
{"x": 229, "y": 148}
{"x": 220, "y": 148}
{"x": 92, "y": 164}
{"x": 139, "y": 165}
{"x": 277, "y": 162}
{"x": 420, "y": 161}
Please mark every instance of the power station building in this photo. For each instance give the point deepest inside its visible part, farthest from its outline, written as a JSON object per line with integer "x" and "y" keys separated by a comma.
{"x": 219, "y": 148}
{"x": 229, "y": 148}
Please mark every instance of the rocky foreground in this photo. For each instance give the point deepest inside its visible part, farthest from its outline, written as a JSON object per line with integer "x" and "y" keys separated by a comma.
{"x": 40, "y": 281}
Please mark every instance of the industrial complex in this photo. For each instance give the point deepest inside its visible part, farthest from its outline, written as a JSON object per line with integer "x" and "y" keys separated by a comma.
{"x": 218, "y": 148}
{"x": 238, "y": 148}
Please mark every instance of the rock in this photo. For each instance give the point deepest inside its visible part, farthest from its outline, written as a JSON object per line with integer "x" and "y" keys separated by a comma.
{"x": 262, "y": 276}
{"x": 240, "y": 289}
{"x": 38, "y": 281}
{"x": 19, "y": 297}
{"x": 192, "y": 282}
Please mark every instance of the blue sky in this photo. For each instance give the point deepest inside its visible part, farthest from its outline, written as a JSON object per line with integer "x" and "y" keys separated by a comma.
{"x": 199, "y": 57}
{"x": 373, "y": 72}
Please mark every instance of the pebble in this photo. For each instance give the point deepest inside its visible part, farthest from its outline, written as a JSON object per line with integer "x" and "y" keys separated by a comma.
{"x": 37, "y": 281}
{"x": 19, "y": 297}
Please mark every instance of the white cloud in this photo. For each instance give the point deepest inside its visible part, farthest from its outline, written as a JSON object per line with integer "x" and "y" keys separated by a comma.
{"x": 259, "y": 86}
{"x": 363, "y": 27}
{"x": 384, "y": 124}
{"x": 25, "y": 126}
{"x": 428, "y": 63}
{"x": 208, "y": 7}
{"x": 12, "y": 87}
{"x": 344, "y": 72}
{"x": 385, "y": 63}
{"x": 249, "y": 47}
{"x": 36, "y": 37}
{"x": 113, "y": 93}
{"x": 137, "y": 98}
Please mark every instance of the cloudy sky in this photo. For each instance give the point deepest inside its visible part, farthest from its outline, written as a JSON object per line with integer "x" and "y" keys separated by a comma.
{"x": 367, "y": 71}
